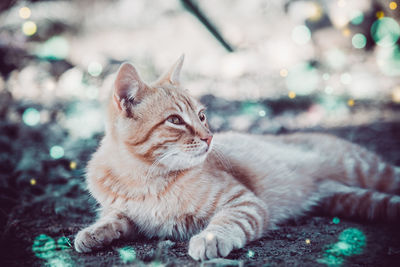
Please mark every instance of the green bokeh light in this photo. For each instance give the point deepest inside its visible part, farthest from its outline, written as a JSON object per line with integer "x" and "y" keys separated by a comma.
{"x": 385, "y": 32}
{"x": 55, "y": 48}
{"x": 357, "y": 17}
{"x": 351, "y": 242}
{"x": 63, "y": 243}
{"x": 95, "y": 68}
{"x": 336, "y": 220}
{"x": 56, "y": 152}
{"x": 253, "y": 109}
{"x": 250, "y": 254}
{"x": 31, "y": 117}
{"x": 301, "y": 34}
{"x": 303, "y": 79}
{"x": 359, "y": 40}
{"x": 44, "y": 246}
{"x": 127, "y": 254}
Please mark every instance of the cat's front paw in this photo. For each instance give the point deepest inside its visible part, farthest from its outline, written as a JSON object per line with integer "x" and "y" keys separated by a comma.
{"x": 209, "y": 245}
{"x": 95, "y": 237}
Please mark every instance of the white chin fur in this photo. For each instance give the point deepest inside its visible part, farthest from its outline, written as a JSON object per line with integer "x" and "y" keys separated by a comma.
{"x": 183, "y": 160}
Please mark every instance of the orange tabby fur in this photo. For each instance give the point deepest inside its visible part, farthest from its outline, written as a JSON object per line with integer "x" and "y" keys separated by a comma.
{"x": 160, "y": 172}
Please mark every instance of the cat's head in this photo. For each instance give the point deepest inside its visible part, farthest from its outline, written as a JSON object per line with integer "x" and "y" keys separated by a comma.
{"x": 158, "y": 123}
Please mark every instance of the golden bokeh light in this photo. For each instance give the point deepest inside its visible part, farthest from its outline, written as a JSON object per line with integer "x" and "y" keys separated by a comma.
{"x": 283, "y": 72}
{"x": 292, "y": 94}
{"x": 24, "y": 12}
{"x": 380, "y": 14}
{"x": 350, "y": 102}
{"x": 29, "y": 28}
{"x": 72, "y": 165}
{"x": 392, "y": 5}
{"x": 33, "y": 181}
{"x": 396, "y": 95}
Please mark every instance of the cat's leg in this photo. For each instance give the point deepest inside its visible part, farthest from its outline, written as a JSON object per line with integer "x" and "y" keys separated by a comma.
{"x": 109, "y": 227}
{"x": 367, "y": 204}
{"x": 241, "y": 219}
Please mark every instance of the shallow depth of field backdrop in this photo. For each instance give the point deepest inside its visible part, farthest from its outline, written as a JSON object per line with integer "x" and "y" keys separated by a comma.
{"x": 260, "y": 66}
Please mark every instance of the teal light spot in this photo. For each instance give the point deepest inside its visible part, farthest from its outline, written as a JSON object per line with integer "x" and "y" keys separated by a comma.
{"x": 95, "y": 69}
{"x": 336, "y": 220}
{"x": 31, "y": 116}
{"x": 355, "y": 238}
{"x": 44, "y": 246}
{"x": 359, "y": 40}
{"x": 357, "y": 17}
{"x": 331, "y": 260}
{"x": 351, "y": 242}
{"x": 302, "y": 79}
{"x": 63, "y": 243}
{"x": 301, "y": 34}
{"x": 385, "y": 32}
{"x": 127, "y": 254}
{"x": 253, "y": 108}
{"x": 250, "y": 254}
{"x": 56, "y": 48}
{"x": 56, "y": 152}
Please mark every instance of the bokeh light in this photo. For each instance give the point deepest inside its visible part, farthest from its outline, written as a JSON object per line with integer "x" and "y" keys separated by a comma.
{"x": 250, "y": 253}
{"x": 55, "y": 48}
{"x": 380, "y": 14}
{"x": 95, "y": 68}
{"x": 385, "y": 32}
{"x": 56, "y": 152}
{"x": 336, "y": 220}
{"x": 359, "y": 40}
{"x": 283, "y": 72}
{"x": 350, "y": 102}
{"x": 351, "y": 242}
{"x": 72, "y": 165}
{"x": 396, "y": 94}
{"x": 44, "y": 246}
{"x": 33, "y": 181}
{"x": 24, "y": 12}
{"x": 291, "y": 94}
{"x": 302, "y": 79}
{"x": 301, "y": 34}
{"x": 31, "y": 117}
{"x": 357, "y": 17}
{"x": 127, "y": 254}
{"x": 392, "y": 5}
{"x": 308, "y": 241}
{"x": 29, "y": 28}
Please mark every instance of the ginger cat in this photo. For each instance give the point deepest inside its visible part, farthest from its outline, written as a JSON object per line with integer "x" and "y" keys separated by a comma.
{"x": 159, "y": 171}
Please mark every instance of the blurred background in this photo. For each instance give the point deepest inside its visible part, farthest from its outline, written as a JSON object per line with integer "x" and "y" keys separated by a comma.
{"x": 260, "y": 66}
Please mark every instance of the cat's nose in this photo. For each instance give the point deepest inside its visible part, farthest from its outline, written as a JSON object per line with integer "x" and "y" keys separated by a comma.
{"x": 208, "y": 139}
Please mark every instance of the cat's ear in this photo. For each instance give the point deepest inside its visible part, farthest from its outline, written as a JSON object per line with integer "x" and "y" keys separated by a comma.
{"x": 172, "y": 76}
{"x": 128, "y": 88}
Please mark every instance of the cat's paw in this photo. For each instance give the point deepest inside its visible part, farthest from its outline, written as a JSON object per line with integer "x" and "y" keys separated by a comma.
{"x": 95, "y": 236}
{"x": 209, "y": 245}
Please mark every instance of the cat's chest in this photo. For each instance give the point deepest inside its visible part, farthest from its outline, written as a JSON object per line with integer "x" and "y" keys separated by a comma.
{"x": 165, "y": 217}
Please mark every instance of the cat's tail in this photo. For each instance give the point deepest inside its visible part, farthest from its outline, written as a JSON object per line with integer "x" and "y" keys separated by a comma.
{"x": 366, "y": 204}
{"x": 367, "y": 170}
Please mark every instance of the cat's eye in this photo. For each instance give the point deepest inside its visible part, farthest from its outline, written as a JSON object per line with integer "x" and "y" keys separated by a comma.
{"x": 202, "y": 116}
{"x": 175, "y": 120}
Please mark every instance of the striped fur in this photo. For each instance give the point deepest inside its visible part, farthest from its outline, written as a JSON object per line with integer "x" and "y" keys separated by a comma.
{"x": 166, "y": 176}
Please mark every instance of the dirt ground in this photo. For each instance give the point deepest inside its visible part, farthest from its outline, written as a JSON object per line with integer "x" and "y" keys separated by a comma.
{"x": 36, "y": 216}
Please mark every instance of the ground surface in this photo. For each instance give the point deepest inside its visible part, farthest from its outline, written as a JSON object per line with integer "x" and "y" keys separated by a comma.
{"x": 57, "y": 206}
{"x": 295, "y": 67}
